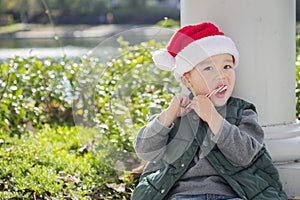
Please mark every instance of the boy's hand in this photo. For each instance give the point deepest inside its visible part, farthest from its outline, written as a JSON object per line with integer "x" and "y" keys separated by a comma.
{"x": 206, "y": 110}
{"x": 179, "y": 106}
{"x": 203, "y": 107}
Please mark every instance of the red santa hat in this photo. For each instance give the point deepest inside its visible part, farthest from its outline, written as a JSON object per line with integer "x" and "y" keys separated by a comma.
{"x": 192, "y": 44}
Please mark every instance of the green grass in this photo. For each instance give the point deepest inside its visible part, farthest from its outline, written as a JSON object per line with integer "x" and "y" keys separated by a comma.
{"x": 51, "y": 163}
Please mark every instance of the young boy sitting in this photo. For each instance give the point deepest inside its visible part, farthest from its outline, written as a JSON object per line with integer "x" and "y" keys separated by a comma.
{"x": 207, "y": 145}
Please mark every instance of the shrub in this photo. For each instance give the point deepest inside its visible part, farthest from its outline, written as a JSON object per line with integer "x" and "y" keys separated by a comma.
{"x": 168, "y": 23}
{"x": 50, "y": 163}
{"x": 41, "y": 101}
{"x": 57, "y": 92}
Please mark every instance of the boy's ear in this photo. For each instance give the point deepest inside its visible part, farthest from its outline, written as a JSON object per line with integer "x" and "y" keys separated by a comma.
{"x": 185, "y": 81}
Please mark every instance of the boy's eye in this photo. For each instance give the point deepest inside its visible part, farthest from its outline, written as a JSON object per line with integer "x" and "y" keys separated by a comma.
{"x": 208, "y": 68}
{"x": 227, "y": 67}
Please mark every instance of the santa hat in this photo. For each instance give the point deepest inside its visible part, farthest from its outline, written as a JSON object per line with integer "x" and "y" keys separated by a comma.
{"x": 192, "y": 44}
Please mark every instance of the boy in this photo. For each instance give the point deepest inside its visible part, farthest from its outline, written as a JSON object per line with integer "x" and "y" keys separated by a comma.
{"x": 207, "y": 145}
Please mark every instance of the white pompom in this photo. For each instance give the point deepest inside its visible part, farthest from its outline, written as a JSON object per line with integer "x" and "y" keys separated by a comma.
{"x": 163, "y": 60}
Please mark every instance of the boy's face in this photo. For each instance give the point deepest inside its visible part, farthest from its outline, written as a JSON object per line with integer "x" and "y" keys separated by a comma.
{"x": 210, "y": 74}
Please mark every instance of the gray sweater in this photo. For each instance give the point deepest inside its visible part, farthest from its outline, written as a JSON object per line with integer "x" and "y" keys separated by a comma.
{"x": 238, "y": 144}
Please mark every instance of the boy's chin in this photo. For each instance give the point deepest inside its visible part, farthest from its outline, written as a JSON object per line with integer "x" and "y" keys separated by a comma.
{"x": 219, "y": 102}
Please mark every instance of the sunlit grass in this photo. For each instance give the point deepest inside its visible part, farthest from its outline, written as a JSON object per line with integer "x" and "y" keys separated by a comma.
{"x": 13, "y": 28}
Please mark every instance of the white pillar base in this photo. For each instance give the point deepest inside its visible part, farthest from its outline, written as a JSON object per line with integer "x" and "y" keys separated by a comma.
{"x": 290, "y": 176}
{"x": 283, "y": 142}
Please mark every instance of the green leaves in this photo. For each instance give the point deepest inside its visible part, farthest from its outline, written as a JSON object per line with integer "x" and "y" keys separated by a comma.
{"x": 41, "y": 101}
{"x": 35, "y": 164}
{"x": 297, "y": 90}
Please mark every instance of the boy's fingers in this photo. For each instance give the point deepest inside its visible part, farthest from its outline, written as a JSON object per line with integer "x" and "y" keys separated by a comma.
{"x": 182, "y": 99}
{"x": 189, "y": 106}
{"x": 186, "y": 101}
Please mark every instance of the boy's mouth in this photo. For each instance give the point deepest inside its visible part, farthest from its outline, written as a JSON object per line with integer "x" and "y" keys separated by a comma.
{"x": 221, "y": 89}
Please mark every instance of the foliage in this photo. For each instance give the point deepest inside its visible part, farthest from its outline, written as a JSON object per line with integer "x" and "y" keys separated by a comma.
{"x": 34, "y": 92}
{"x": 123, "y": 90}
{"x": 50, "y": 163}
{"x": 146, "y": 15}
{"x": 107, "y": 100}
{"x": 85, "y": 12}
{"x": 298, "y": 76}
{"x": 34, "y": 6}
{"x": 136, "y": 88}
{"x": 168, "y": 23}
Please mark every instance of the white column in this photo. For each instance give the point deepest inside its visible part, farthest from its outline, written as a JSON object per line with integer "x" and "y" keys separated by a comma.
{"x": 264, "y": 32}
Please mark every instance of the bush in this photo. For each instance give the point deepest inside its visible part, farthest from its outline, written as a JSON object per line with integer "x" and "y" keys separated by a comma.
{"x": 43, "y": 154}
{"x": 51, "y": 163}
{"x": 297, "y": 77}
{"x": 34, "y": 92}
{"x": 38, "y": 92}
{"x": 168, "y": 23}
{"x": 144, "y": 15}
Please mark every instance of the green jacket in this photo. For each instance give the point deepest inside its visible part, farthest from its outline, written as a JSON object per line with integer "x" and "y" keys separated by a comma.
{"x": 259, "y": 180}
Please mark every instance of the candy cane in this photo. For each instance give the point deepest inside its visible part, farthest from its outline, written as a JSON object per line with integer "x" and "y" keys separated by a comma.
{"x": 220, "y": 89}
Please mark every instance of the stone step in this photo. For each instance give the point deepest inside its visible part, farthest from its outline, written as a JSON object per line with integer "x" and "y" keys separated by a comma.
{"x": 290, "y": 177}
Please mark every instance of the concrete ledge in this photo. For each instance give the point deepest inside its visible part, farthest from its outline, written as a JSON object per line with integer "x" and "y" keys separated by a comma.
{"x": 282, "y": 141}
{"x": 284, "y": 150}
{"x": 290, "y": 177}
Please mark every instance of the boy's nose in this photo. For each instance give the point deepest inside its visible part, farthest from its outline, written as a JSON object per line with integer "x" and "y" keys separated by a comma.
{"x": 220, "y": 75}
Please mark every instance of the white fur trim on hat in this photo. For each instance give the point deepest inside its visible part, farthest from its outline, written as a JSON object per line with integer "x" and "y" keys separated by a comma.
{"x": 163, "y": 60}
